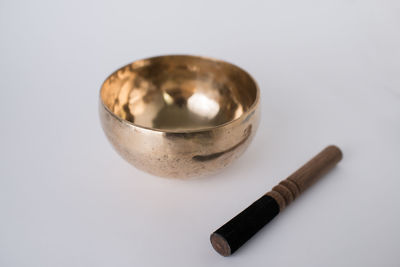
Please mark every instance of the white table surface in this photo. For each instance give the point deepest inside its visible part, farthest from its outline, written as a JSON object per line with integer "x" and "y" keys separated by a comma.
{"x": 329, "y": 73}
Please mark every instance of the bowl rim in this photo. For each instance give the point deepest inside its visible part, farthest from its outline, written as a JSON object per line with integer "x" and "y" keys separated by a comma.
{"x": 250, "y": 110}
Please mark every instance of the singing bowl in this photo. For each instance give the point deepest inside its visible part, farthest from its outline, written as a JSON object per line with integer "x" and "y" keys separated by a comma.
{"x": 179, "y": 116}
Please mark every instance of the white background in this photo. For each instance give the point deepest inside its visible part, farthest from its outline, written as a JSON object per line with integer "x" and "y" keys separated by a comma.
{"x": 329, "y": 73}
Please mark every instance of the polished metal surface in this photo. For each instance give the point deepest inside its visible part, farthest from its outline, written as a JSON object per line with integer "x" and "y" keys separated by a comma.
{"x": 179, "y": 116}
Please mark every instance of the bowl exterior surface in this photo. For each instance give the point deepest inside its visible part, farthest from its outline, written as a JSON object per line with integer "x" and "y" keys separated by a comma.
{"x": 183, "y": 154}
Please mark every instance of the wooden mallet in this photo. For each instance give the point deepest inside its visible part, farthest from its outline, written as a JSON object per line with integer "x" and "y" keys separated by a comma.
{"x": 232, "y": 235}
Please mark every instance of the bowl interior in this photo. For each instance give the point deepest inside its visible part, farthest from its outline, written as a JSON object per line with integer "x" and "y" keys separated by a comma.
{"x": 179, "y": 93}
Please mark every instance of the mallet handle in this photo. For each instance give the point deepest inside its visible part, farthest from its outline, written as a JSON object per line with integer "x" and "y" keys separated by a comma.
{"x": 232, "y": 235}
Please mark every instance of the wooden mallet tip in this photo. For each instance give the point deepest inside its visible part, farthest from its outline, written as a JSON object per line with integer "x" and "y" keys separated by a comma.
{"x": 220, "y": 244}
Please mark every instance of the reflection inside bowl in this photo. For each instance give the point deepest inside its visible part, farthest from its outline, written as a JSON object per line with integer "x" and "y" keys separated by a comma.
{"x": 179, "y": 94}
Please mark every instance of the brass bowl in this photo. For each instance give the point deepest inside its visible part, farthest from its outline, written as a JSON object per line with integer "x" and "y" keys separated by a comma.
{"x": 179, "y": 116}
